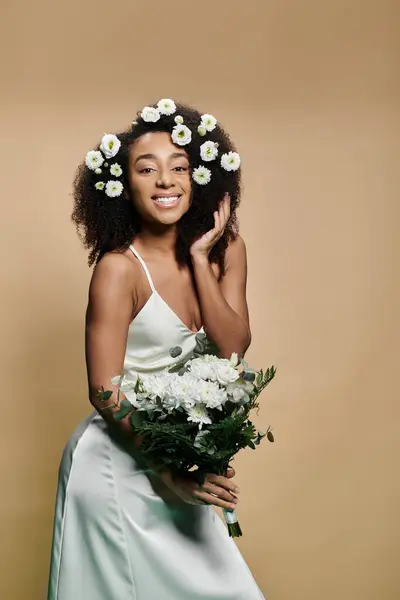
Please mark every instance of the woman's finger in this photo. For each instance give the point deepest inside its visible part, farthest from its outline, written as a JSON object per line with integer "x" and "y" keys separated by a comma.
{"x": 206, "y": 498}
{"x": 223, "y": 482}
{"x": 218, "y": 491}
{"x": 230, "y": 472}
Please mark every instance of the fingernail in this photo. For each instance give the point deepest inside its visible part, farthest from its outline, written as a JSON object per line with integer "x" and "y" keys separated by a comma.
{"x": 236, "y": 489}
{"x": 232, "y": 506}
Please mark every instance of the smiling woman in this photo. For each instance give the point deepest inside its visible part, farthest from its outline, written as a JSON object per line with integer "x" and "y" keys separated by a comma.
{"x": 155, "y": 206}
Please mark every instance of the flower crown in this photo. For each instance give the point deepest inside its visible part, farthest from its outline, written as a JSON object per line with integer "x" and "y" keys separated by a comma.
{"x": 181, "y": 135}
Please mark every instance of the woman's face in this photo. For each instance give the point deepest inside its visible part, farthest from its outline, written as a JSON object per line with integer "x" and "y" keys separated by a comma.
{"x": 159, "y": 178}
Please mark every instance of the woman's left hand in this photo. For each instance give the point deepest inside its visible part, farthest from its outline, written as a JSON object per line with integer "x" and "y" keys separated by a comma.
{"x": 202, "y": 246}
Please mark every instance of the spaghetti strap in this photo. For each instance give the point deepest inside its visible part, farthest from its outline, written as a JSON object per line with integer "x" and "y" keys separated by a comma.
{"x": 140, "y": 259}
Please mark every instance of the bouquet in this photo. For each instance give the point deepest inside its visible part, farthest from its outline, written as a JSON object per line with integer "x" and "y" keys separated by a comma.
{"x": 194, "y": 415}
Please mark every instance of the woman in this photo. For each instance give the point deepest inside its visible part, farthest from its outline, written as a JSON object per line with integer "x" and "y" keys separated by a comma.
{"x": 155, "y": 206}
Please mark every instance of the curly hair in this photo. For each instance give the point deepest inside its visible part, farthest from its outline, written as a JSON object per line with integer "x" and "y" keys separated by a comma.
{"x": 107, "y": 224}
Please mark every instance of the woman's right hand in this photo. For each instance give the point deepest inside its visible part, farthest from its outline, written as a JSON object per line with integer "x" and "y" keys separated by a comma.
{"x": 216, "y": 489}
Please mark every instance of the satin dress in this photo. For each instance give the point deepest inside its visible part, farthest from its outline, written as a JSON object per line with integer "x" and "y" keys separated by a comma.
{"x": 117, "y": 535}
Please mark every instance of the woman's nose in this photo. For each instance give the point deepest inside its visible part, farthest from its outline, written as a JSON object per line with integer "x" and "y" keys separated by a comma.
{"x": 165, "y": 179}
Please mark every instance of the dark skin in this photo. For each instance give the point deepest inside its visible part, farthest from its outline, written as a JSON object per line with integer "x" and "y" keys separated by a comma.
{"x": 119, "y": 289}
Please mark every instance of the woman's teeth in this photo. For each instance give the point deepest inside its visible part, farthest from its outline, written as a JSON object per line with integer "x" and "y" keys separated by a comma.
{"x": 166, "y": 201}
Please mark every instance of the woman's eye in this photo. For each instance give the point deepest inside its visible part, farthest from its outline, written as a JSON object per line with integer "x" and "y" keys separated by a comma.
{"x": 146, "y": 170}
{"x": 180, "y": 169}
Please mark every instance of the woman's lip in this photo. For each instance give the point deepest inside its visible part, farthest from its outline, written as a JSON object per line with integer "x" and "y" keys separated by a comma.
{"x": 167, "y": 204}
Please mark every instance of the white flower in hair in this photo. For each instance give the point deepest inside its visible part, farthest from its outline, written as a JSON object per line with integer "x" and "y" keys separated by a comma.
{"x": 150, "y": 114}
{"x": 209, "y": 151}
{"x": 166, "y": 106}
{"x": 94, "y": 159}
{"x": 178, "y": 119}
{"x": 181, "y": 135}
{"x": 201, "y": 175}
{"x": 114, "y": 188}
{"x": 110, "y": 145}
{"x": 201, "y": 130}
{"x": 100, "y": 185}
{"x": 209, "y": 122}
{"x": 230, "y": 161}
{"x": 116, "y": 170}
{"x": 98, "y": 171}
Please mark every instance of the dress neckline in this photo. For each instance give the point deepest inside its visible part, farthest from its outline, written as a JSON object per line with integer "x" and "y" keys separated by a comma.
{"x": 155, "y": 293}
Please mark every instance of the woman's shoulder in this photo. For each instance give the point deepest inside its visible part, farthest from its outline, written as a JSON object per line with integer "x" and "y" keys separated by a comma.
{"x": 236, "y": 251}
{"x": 115, "y": 270}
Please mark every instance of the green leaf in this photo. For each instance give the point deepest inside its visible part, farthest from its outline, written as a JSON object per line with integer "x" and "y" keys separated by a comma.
{"x": 270, "y": 436}
{"x": 125, "y": 408}
{"x": 104, "y": 395}
{"x": 249, "y": 376}
{"x": 137, "y": 418}
{"x": 251, "y": 445}
{"x": 175, "y": 351}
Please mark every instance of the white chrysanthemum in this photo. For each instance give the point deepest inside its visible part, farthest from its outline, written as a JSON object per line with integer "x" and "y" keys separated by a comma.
{"x": 201, "y": 369}
{"x": 198, "y": 414}
{"x": 166, "y": 106}
{"x": 94, "y": 159}
{"x": 110, "y": 145}
{"x": 178, "y": 119}
{"x": 208, "y": 151}
{"x": 201, "y": 175}
{"x": 156, "y": 385}
{"x": 208, "y": 122}
{"x": 230, "y": 161}
{"x": 201, "y": 130}
{"x": 116, "y": 170}
{"x": 114, "y": 188}
{"x": 210, "y": 394}
{"x": 100, "y": 185}
{"x": 150, "y": 114}
{"x": 98, "y": 171}
{"x": 181, "y": 135}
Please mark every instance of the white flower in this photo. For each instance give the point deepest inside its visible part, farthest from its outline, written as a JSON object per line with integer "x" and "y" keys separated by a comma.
{"x": 208, "y": 151}
{"x": 114, "y": 188}
{"x": 201, "y": 130}
{"x": 181, "y": 135}
{"x": 201, "y": 369}
{"x": 210, "y": 394}
{"x": 116, "y": 170}
{"x": 98, "y": 171}
{"x": 208, "y": 122}
{"x": 198, "y": 414}
{"x": 156, "y": 385}
{"x": 224, "y": 373}
{"x": 239, "y": 390}
{"x": 100, "y": 185}
{"x": 94, "y": 159}
{"x": 110, "y": 145}
{"x": 178, "y": 119}
{"x": 230, "y": 161}
{"x": 150, "y": 114}
{"x": 201, "y": 175}
{"x": 166, "y": 106}
{"x": 234, "y": 359}
{"x": 134, "y": 123}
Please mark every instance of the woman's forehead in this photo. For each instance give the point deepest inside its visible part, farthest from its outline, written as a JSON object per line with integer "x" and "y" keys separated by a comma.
{"x": 158, "y": 143}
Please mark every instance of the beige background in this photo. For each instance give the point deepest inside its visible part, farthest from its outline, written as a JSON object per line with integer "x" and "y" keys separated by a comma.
{"x": 309, "y": 91}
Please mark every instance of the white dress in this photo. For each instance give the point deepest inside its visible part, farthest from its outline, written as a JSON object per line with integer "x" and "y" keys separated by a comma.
{"x": 115, "y": 536}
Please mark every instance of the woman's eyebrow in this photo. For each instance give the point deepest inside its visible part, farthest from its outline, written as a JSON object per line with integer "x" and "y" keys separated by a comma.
{"x": 153, "y": 156}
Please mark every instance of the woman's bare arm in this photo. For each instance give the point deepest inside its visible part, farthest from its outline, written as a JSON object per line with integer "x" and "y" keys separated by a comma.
{"x": 112, "y": 300}
{"x": 223, "y": 304}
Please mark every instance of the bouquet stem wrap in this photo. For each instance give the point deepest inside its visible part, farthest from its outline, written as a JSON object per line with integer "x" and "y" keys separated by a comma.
{"x": 232, "y": 523}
